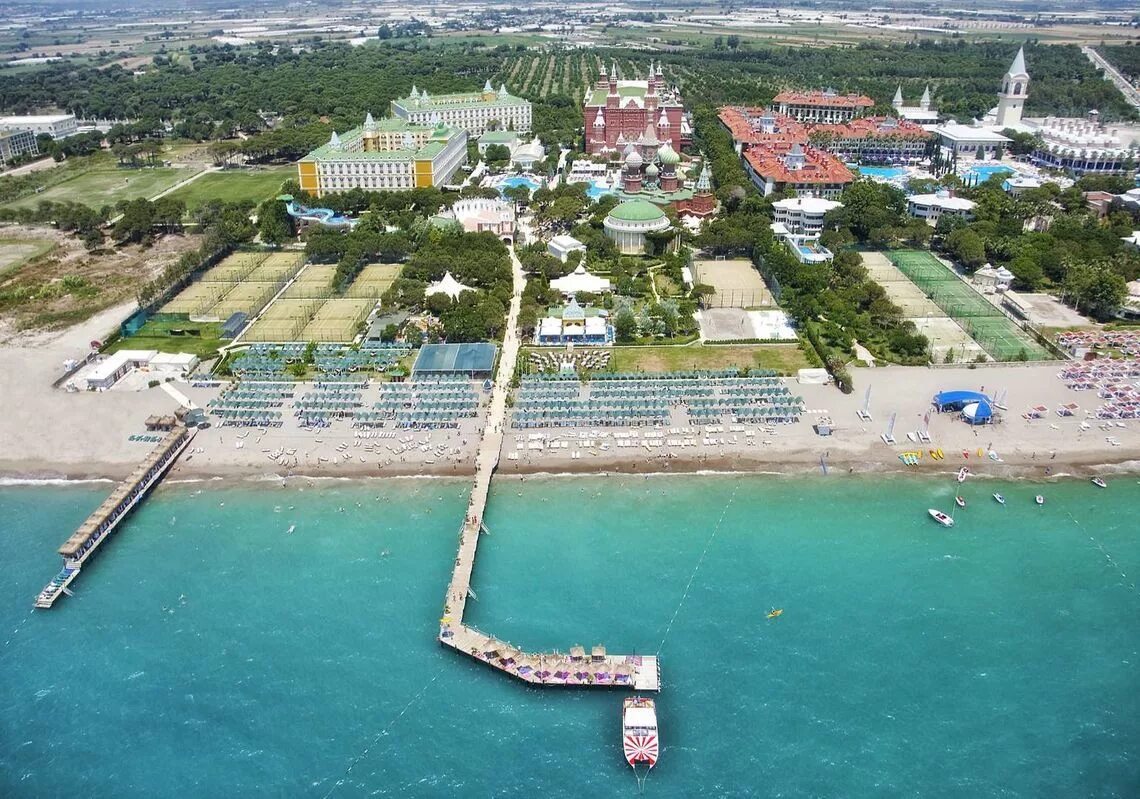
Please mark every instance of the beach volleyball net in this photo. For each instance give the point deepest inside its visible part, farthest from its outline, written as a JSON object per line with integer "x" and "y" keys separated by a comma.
{"x": 980, "y": 318}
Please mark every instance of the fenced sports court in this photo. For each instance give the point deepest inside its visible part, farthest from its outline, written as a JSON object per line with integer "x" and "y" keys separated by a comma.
{"x": 985, "y": 323}
{"x": 373, "y": 281}
{"x": 243, "y": 281}
{"x": 737, "y": 282}
{"x": 337, "y": 320}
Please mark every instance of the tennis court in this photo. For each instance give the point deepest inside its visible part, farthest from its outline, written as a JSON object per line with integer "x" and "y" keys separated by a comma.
{"x": 995, "y": 332}
{"x": 373, "y": 280}
{"x": 931, "y": 321}
{"x": 337, "y": 320}
{"x": 472, "y": 359}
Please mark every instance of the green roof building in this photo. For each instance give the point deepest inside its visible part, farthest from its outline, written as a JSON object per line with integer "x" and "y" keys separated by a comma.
{"x": 474, "y": 112}
{"x": 628, "y": 223}
{"x": 385, "y": 155}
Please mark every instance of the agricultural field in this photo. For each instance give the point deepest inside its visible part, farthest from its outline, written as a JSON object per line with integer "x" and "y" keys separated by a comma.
{"x": 539, "y": 74}
{"x": 249, "y": 186}
{"x": 784, "y": 358}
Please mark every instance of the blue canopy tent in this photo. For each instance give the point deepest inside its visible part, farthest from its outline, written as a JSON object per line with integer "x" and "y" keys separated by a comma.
{"x": 957, "y": 400}
{"x": 978, "y": 413}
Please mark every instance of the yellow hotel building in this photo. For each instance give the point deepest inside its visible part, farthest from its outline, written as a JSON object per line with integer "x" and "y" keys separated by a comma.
{"x": 389, "y": 155}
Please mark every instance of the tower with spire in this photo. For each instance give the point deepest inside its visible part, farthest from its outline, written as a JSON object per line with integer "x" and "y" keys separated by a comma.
{"x": 1014, "y": 90}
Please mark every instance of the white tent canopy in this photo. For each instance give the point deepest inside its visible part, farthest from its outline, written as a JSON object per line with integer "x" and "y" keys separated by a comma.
{"x": 580, "y": 280}
{"x": 449, "y": 286}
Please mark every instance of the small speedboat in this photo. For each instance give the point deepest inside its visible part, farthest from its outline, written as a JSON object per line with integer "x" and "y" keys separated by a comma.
{"x": 1000, "y": 499}
{"x": 962, "y": 474}
{"x": 1040, "y": 500}
{"x": 940, "y": 517}
{"x": 960, "y": 502}
{"x": 1096, "y": 481}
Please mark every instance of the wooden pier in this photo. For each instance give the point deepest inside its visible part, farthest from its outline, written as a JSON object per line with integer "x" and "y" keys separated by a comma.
{"x": 598, "y": 668}
{"x": 99, "y": 525}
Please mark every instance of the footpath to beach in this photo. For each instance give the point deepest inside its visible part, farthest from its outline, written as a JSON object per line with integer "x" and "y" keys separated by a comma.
{"x": 600, "y": 669}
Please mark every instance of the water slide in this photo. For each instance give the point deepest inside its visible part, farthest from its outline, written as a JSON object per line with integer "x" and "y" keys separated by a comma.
{"x": 322, "y": 216}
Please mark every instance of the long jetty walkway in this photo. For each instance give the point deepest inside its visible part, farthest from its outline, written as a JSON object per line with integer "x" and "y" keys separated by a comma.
{"x": 577, "y": 667}
{"x": 100, "y": 524}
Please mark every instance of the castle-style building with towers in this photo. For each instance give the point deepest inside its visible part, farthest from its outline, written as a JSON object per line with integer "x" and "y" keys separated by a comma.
{"x": 617, "y": 113}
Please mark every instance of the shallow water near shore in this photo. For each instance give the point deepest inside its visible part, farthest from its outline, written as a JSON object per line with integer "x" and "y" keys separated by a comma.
{"x": 210, "y": 652}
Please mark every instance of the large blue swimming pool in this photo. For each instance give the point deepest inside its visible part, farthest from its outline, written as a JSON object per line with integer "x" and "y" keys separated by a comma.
{"x": 980, "y": 173}
{"x": 519, "y": 180}
{"x": 890, "y": 174}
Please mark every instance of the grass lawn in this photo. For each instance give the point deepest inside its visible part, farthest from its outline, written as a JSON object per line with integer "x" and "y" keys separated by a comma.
{"x": 106, "y": 184}
{"x": 784, "y": 358}
{"x": 155, "y": 335}
{"x": 14, "y": 253}
{"x": 251, "y": 186}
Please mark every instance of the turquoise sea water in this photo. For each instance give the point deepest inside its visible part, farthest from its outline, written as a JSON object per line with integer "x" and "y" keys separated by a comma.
{"x": 208, "y": 652}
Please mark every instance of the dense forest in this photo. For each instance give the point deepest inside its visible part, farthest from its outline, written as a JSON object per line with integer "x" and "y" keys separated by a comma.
{"x": 1126, "y": 59}
{"x": 217, "y": 92}
{"x": 963, "y": 76}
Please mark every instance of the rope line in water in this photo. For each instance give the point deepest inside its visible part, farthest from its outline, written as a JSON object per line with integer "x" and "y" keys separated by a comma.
{"x": 1107, "y": 555}
{"x": 376, "y": 738}
{"x": 16, "y": 630}
{"x": 697, "y": 568}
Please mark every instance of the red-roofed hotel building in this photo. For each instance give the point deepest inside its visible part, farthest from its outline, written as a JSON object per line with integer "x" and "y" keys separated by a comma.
{"x": 821, "y": 107}
{"x": 804, "y": 170}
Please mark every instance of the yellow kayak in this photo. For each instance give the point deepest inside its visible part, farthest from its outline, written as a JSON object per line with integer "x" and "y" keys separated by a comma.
{"x": 775, "y": 613}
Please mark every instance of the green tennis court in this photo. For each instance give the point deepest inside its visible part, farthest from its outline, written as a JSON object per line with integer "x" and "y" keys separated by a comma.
{"x": 987, "y": 325}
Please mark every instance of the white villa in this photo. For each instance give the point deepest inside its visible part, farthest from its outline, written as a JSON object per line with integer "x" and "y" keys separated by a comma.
{"x": 932, "y": 207}
{"x": 803, "y": 214}
{"x": 561, "y": 247}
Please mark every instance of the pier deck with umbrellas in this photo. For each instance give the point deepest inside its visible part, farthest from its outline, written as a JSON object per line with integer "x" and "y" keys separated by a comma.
{"x": 597, "y": 668}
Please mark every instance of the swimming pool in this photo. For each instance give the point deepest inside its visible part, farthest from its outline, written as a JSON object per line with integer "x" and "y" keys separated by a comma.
{"x": 518, "y": 180}
{"x": 980, "y": 173}
{"x": 598, "y": 189}
{"x": 887, "y": 174}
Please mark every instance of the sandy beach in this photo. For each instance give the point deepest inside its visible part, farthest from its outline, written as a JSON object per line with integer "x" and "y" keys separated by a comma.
{"x": 51, "y": 434}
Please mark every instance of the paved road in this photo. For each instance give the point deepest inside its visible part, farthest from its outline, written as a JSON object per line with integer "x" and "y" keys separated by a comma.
{"x": 1127, "y": 89}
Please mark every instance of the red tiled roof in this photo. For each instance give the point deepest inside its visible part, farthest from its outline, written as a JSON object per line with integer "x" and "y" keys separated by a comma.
{"x": 871, "y": 127}
{"x": 819, "y": 167}
{"x": 739, "y": 121}
{"x": 824, "y": 99}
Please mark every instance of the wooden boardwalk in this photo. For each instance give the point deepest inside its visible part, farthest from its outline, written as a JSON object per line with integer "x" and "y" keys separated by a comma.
{"x": 595, "y": 669}
{"x": 102, "y": 522}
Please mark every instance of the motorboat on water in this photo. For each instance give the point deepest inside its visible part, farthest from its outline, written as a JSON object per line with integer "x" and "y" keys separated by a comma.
{"x": 963, "y": 473}
{"x": 940, "y": 517}
{"x": 1000, "y": 499}
{"x": 960, "y": 501}
{"x": 1099, "y": 483}
{"x": 1040, "y": 500}
{"x": 639, "y": 731}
